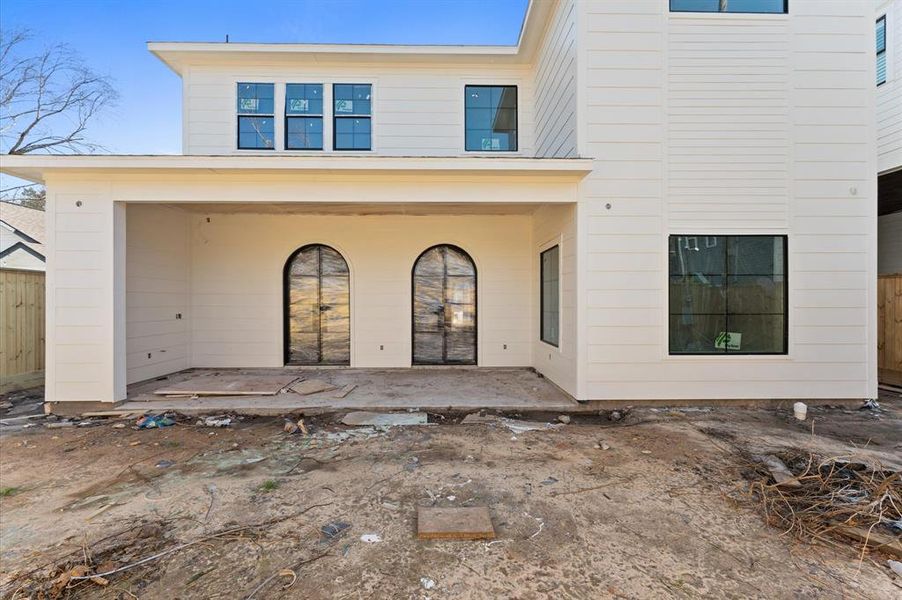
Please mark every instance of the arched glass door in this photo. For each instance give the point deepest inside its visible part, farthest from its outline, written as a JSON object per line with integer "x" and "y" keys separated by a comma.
{"x": 317, "y": 307}
{"x": 444, "y": 307}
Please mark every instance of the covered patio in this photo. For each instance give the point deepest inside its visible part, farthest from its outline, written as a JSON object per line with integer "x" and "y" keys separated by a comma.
{"x": 432, "y": 388}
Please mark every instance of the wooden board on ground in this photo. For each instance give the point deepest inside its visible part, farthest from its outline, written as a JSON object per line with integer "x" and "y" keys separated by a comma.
{"x": 311, "y": 386}
{"x": 228, "y": 385}
{"x": 344, "y": 391}
{"x": 468, "y": 523}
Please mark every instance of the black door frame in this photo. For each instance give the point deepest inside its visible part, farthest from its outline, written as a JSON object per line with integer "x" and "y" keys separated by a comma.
{"x": 286, "y": 303}
{"x": 445, "y": 333}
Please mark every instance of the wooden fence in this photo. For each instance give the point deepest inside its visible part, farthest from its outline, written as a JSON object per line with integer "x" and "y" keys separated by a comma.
{"x": 889, "y": 329}
{"x": 22, "y": 327}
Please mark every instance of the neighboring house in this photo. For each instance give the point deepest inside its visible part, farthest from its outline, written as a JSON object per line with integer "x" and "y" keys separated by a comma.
{"x": 889, "y": 135}
{"x": 21, "y": 237}
{"x": 639, "y": 200}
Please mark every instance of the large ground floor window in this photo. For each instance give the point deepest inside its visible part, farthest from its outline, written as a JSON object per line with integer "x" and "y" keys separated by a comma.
{"x": 550, "y": 313}
{"x": 728, "y": 294}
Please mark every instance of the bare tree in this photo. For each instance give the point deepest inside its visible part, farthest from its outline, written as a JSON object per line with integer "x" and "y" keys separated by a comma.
{"x": 47, "y": 100}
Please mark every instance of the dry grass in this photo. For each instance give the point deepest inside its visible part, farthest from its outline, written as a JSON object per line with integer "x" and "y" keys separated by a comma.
{"x": 835, "y": 499}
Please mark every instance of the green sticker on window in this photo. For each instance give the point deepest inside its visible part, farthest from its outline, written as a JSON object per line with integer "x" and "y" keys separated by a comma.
{"x": 344, "y": 106}
{"x": 298, "y": 104}
{"x": 728, "y": 340}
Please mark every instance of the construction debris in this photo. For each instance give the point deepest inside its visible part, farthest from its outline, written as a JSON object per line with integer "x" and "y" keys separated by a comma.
{"x": 228, "y": 385}
{"x": 821, "y": 498}
{"x": 782, "y": 476}
{"x": 154, "y": 421}
{"x": 467, "y": 523}
{"x": 514, "y": 425}
{"x": 214, "y": 421}
{"x": 345, "y": 390}
{"x": 371, "y": 538}
{"x": 385, "y": 419}
{"x": 307, "y": 387}
{"x": 334, "y": 529}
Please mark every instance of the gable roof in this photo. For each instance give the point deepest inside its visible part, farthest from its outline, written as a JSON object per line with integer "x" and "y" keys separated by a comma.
{"x": 28, "y": 223}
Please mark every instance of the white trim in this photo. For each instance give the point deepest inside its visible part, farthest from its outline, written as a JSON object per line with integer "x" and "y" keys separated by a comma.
{"x": 35, "y": 167}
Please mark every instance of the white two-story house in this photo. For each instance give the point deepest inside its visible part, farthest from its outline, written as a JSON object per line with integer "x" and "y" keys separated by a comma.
{"x": 641, "y": 199}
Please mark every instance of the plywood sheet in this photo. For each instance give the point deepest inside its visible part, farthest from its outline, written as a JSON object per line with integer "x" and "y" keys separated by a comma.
{"x": 467, "y": 523}
{"x": 228, "y": 385}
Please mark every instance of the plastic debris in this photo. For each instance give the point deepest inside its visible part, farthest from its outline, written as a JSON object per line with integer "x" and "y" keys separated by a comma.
{"x": 427, "y": 583}
{"x": 895, "y": 566}
{"x": 371, "y": 538}
{"x": 165, "y": 464}
{"x": 549, "y": 481}
{"x": 870, "y": 404}
{"x": 154, "y": 422}
{"x": 800, "y": 410}
{"x": 334, "y": 529}
{"x": 216, "y": 421}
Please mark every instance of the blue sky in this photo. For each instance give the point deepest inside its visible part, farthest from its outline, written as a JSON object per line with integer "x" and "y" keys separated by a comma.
{"x": 111, "y": 37}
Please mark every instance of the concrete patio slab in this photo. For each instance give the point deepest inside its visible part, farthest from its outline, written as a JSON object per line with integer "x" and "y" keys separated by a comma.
{"x": 445, "y": 389}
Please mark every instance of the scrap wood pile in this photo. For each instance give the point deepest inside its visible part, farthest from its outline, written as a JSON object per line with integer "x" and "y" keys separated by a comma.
{"x": 829, "y": 499}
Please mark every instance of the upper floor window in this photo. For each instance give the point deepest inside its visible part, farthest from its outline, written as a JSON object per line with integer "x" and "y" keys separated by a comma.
{"x": 352, "y": 112}
{"x": 491, "y": 118}
{"x": 730, "y": 6}
{"x": 728, "y": 294}
{"x": 881, "y": 50}
{"x": 304, "y": 116}
{"x": 256, "y": 126}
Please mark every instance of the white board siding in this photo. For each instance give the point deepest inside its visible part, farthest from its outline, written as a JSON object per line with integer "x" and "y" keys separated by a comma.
{"x": 417, "y": 110}
{"x": 889, "y": 95}
{"x": 556, "y": 225}
{"x": 236, "y": 283}
{"x": 85, "y": 299}
{"x": 157, "y": 261}
{"x": 728, "y": 124}
{"x": 555, "y": 85}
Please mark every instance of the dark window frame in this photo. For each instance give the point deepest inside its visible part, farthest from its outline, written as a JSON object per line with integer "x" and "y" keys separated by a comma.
{"x": 336, "y": 117}
{"x": 542, "y": 296}
{"x": 734, "y": 12}
{"x": 516, "y": 89}
{"x": 726, "y": 276}
{"x": 879, "y": 51}
{"x": 320, "y": 116}
{"x": 239, "y": 115}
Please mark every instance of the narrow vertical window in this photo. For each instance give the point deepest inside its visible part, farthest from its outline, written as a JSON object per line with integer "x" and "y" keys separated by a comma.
{"x": 256, "y": 130}
{"x": 352, "y": 113}
{"x": 728, "y": 294}
{"x": 304, "y": 116}
{"x": 550, "y": 295}
{"x": 881, "y": 50}
{"x": 491, "y": 118}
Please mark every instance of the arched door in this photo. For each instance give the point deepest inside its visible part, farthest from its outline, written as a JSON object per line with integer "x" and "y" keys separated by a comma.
{"x": 444, "y": 307}
{"x": 317, "y": 307}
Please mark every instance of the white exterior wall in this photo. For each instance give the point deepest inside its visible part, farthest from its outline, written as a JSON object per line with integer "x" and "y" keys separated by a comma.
{"x": 85, "y": 294}
{"x": 418, "y": 110}
{"x": 555, "y": 85}
{"x": 556, "y": 225}
{"x": 157, "y": 288}
{"x": 236, "y": 302}
{"x": 719, "y": 124}
{"x": 889, "y": 94}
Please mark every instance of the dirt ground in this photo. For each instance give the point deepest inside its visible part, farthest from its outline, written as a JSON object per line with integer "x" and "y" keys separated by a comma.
{"x": 650, "y": 506}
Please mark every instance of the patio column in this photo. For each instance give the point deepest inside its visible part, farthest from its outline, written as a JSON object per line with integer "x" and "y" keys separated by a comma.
{"x": 85, "y": 296}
